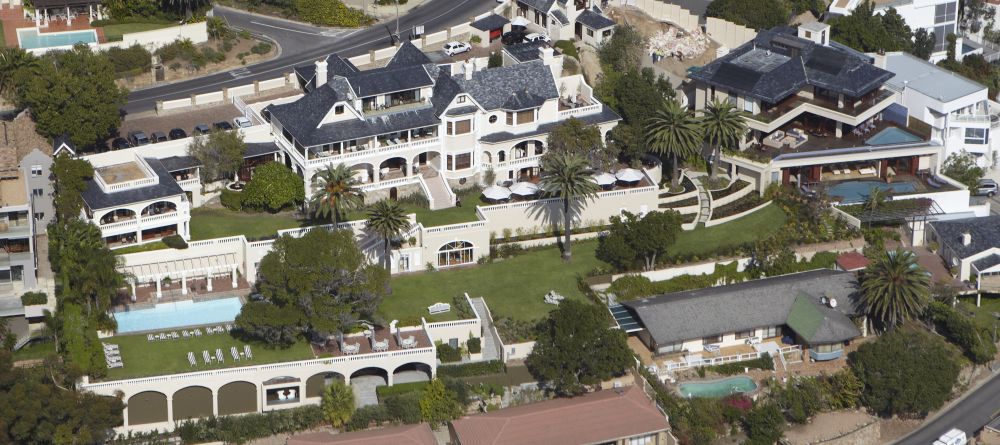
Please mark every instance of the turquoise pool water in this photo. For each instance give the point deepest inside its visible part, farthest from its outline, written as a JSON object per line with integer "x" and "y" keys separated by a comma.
{"x": 852, "y": 192}
{"x": 718, "y": 388}
{"x": 177, "y": 314}
{"x": 892, "y": 135}
{"x": 30, "y": 38}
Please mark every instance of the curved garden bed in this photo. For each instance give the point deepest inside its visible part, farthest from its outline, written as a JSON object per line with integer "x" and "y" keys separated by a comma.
{"x": 735, "y": 186}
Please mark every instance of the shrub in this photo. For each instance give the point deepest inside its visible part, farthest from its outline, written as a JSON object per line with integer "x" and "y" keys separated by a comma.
{"x": 763, "y": 362}
{"x": 474, "y": 346}
{"x": 384, "y": 392}
{"x": 567, "y": 48}
{"x": 404, "y": 407}
{"x": 495, "y": 61}
{"x": 244, "y": 428}
{"x": 231, "y": 199}
{"x": 631, "y": 287}
{"x": 448, "y": 354}
{"x": 962, "y": 331}
{"x": 475, "y": 40}
{"x": 129, "y": 61}
{"x": 365, "y": 416}
{"x": 261, "y": 48}
{"x": 273, "y": 187}
{"x": 33, "y": 298}
{"x": 754, "y": 14}
{"x": 472, "y": 369}
{"x": 175, "y": 242}
{"x": 330, "y": 13}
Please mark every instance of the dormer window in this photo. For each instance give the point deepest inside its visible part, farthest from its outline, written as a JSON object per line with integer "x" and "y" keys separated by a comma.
{"x": 520, "y": 117}
{"x": 339, "y": 109}
{"x": 461, "y": 99}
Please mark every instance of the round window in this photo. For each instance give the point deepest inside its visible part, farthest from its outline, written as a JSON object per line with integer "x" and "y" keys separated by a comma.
{"x": 493, "y": 119}
{"x": 462, "y": 181}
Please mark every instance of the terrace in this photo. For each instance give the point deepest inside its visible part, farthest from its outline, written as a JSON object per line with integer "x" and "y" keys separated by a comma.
{"x": 820, "y": 102}
{"x": 369, "y": 341}
{"x": 813, "y": 133}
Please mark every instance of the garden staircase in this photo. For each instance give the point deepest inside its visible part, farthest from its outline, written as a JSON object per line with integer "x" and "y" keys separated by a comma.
{"x": 438, "y": 190}
{"x": 489, "y": 345}
{"x": 704, "y": 200}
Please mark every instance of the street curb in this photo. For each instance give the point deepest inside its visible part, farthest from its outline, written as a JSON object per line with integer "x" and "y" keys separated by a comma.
{"x": 282, "y": 19}
{"x": 993, "y": 375}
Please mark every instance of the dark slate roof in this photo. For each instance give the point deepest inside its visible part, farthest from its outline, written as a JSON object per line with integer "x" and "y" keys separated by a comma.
{"x": 490, "y": 22}
{"x": 606, "y": 115}
{"x": 594, "y": 20}
{"x": 541, "y": 5}
{"x": 445, "y": 89}
{"x": 985, "y": 233}
{"x": 96, "y": 198}
{"x": 817, "y": 323}
{"x": 355, "y": 128}
{"x": 492, "y": 88}
{"x": 987, "y": 262}
{"x": 527, "y": 51}
{"x": 389, "y": 80}
{"x": 522, "y": 100}
{"x": 260, "y": 148}
{"x": 175, "y": 163}
{"x": 560, "y": 17}
{"x": 462, "y": 110}
{"x": 776, "y": 64}
{"x": 694, "y": 314}
{"x": 408, "y": 55}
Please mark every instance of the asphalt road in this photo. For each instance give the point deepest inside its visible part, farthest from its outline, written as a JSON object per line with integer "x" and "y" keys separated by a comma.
{"x": 302, "y": 43}
{"x": 970, "y": 414}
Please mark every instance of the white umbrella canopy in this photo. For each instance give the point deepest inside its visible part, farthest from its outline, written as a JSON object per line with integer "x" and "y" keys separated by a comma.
{"x": 496, "y": 193}
{"x": 628, "y": 175}
{"x": 604, "y": 179}
{"x": 519, "y": 21}
{"x": 524, "y": 189}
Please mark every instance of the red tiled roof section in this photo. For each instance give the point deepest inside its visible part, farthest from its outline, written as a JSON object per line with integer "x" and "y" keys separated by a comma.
{"x": 597, "y": 417}
{"x": 852, "y": 261}
{"x": 419, "y": 434}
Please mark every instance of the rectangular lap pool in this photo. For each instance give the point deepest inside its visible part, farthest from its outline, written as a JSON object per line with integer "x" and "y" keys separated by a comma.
{"x": 177, "y": 314}
{"x": 718, "y": 388}
{"x": 892, "y": 135}
{"x": 30, "y": 38}
{"x": 853, "y": 192}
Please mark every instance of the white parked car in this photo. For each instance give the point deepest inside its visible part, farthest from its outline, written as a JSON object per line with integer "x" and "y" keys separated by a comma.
{"x": 536, "y": 36}
{"x": 953, "y": 437}
{"x": 242, "y": 122}
{"x": 454, "y": 48}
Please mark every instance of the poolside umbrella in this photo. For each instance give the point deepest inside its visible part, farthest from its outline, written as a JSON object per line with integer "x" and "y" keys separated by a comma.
{"x": 628, "y": 175}
{"x": 524, "y": 189}
{"x": 604, "y": 179}
{"x": 496, "y": 193}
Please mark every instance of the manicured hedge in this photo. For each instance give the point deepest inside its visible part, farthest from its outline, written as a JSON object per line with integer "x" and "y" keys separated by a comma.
{"x": 472, "y": 369}
{"x": 448, "y": 354}
{"x": 242, "y": 429}
{"x": 474, "y": 346}
{"x": 763, "y": 362}
{"x": 33, "y": 298}
{"x": 400, "y": 388}
{"x": 232, "y": 200}
{"x": 175, "y": 242}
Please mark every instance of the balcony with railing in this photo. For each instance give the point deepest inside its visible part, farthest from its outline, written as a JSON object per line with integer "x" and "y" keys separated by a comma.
{"x": 394, "y": 103}
{"x": 850, "y": 108}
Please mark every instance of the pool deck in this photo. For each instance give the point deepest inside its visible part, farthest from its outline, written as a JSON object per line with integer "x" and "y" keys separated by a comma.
{"x": 819, "y": 143}
{"x": 222, "y": 287}
{"x": 13, "y": 19}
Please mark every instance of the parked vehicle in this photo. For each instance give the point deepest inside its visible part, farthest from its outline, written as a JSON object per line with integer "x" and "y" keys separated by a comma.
{"x": 120, "y": 144}
{"x": 241, "y": 122}
{"x": 455, "y": 48}
{"x": 222, "y": 125}
{"x": 512, "y": 37}
{"x": 158, "y": 136}
{"x": 200, "y": 129}
{"x": 953, "y": 437}
{"x": 177, "y": 133}
{"x": 537, "y": 36}
{"x": 137, "y": 138}
{"x": 987, "y": 187}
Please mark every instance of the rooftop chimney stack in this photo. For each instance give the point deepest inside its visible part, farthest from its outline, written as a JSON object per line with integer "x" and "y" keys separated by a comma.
{"x": 966, "y": 239}
{"x": 320, "y": 73}
{"x": 469, "y": 68}
{"x": 817, "y": 32}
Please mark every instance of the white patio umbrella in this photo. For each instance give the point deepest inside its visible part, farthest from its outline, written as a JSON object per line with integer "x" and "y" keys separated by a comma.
{"x": 604, "y": 179}
{"x": 628, "y": 175}
{"x": 496, "y": 193}
{"x": 524, "y": 189}
{"x": 519, "y": 21}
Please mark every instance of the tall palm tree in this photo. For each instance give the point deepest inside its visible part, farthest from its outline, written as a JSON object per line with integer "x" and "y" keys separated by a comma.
{"x": 12, "y": 61}
{"x": 894, "y": 288}
{"x": 341, "y": 192}
{"x": 876, "y": 197}
{"x": 673, "y": 131}
{"x": 569, "y": 175}
{"x": 723, "y": 127}
{"x": 387, "y": 219}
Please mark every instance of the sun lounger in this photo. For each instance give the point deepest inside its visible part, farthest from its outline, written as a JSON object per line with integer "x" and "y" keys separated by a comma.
{"x": 208, "y": 358}
{"x": 191, "y": 359}
{"x": 932, "y": 181}
{"x": 868, "y": 171}
{"x": 149, "y": 337}
{"x": 219, "y": 356}
{"x": 185, "y": 334}
{"x": 246, "y": 351}
{"x": 236, "y": 355}
{"x": 711, "y": 348}
{"x": 197, "y": 332}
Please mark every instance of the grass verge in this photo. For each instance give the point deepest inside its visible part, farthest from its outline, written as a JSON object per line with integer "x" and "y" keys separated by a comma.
{"x": 114, "y": 33}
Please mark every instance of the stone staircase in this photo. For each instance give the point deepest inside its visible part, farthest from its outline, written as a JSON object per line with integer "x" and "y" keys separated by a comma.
{"x": 705, "y": 200}
{"x": 491, "y": 350}
{"x": 441, "y": 196}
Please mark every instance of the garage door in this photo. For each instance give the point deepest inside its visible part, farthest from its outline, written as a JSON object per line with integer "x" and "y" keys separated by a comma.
{"x": 495, "y": 34}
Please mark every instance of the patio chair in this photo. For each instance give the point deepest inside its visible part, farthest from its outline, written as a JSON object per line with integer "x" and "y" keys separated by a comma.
{"x": 236, "y": 355}
{"x": 149, "y": 337}
{"x": 206, "y": 357}
{"x": 185, "y": 334}
{"x": 246, "y": 351}
{"x": 197, "y": 332}
{"x": 219, "y": 356}
{"x": 191, "y": 359}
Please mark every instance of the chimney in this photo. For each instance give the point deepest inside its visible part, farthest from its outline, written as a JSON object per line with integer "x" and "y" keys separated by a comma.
{"x": 966, "y": 239}
{"x": 469, "y": 68}
{"x": 320, "y": 73}
{"x": 546, "y": 53}
{"x": 817, "y": 32}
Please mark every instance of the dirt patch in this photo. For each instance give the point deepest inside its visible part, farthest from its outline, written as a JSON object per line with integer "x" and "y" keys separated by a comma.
{"x": 590, "y": 64}
{"x": 826, "y": 426}
{"x": 176, "y": 70}
{"x": 650, "y": 28}
{"x": 893, "y": 429}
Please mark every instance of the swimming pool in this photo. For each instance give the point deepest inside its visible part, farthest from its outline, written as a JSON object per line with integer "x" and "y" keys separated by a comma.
{"x": 892, "y": 135}
{"x": 180, "y": 313}
{"x": 857, "y": 191}
{"x": 718, "y": 388}
{"x": 30, "y": 38}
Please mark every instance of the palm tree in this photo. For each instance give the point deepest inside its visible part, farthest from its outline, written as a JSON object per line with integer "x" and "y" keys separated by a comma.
{"x": 876, "y": 197}
{"x": 723, "y": 127}
{"x": 387, "y": 219}
{"x": 569, "y": 175}
{"x": 340, "y": 193}
{"x": 673, "y": 131}
{"x": 894, "y": 288}
{"x": 12, "y": 61}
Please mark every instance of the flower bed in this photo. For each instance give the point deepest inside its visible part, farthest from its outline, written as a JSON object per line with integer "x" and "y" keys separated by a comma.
{"x": 734, "y": 187}
{"x": 739, "y": 206}
{"x": 685, "y": 183}
{"x": 682, "y": 203}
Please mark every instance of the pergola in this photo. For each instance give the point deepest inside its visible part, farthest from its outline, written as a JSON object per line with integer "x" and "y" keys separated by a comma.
{"x": 42, "y": 7}
{"x": 206, "y": 266}
{"x": 911, "y": 211}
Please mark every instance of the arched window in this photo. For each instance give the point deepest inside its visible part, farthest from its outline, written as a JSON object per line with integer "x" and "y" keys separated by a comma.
{"x": 455, "y": 253}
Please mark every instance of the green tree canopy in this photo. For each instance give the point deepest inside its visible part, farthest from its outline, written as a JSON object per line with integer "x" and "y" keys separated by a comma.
{"x": 624, "y": 51}
{"x": 86, "y": 269}
{"x": 16, "y": 67}
{"x": 907, "y": 371}
{"x": 74, "y": 93}
{"x": 962, "y": 168}
{"x": 438, "y": 404}
{"x": 568, "y": 176}
{"x": 675, "y": 132}
{"x": 723, "y": 128}
{"x": 338, "y": 403}
{"x": 71, "y": 176}
{"x": 338, "y": 192}
{"x": 573, "y": 137}
{"x": 763, "y": 424}
{"x": 866, "y": 31}
{"x": 634, "y": 240}
{"x": 273, "y": 187}
{"x": 576, "y": 349}
{"x": 894, "y": 289}
{"x": 976, "y": 342}
{"x": 220, "y": 153}
{"x": 388, "y": 220}
{"x": 754, "y": 14}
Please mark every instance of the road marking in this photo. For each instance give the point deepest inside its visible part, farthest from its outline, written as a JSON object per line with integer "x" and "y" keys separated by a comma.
{"x": 241, "y": 72}
{"x": 288, "y": 29}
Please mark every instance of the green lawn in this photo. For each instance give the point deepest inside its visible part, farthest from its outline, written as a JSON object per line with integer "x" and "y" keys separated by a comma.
{"x": 141, "y": 248}
{"x": 113, "y": 33}
{"x": 513, "y": 287}
{"x": 35, "y": 350}
{"x": 143, "y": 358}
{"x": 755, "y": 226}
{"x": 429, "y": 218}
{"x": 983, "y": 315}
{"x": 219, "y": 223}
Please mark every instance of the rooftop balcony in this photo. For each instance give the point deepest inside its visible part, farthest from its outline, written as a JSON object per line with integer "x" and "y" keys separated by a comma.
{"x": 795, "y": 105}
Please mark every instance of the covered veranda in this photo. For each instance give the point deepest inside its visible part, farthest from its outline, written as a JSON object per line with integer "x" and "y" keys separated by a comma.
{"x": 195, "y": 275}
{"x": 64, "y": 11}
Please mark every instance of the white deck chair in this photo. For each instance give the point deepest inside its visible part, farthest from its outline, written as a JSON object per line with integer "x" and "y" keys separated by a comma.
{"x": 208, "y": 359}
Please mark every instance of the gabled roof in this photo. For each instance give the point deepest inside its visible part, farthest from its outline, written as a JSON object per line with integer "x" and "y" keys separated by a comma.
{"x": 97, "y": 199}
{"x": 698, "y": 313}
{"x": 492, "y": 88}
{"x": 776, "y": 64}
{"x": 175, "y": 163}
{"x": 390, "y": 80}
{"x": 560, "y": 17}
{"x": 490, "y": 22}
{"x": 260, "y": 148}
{"x": 408, "y": 55}
{"x": 541, "y": 5}
{"x": 598, "y": 417}
{"x": 819, "y": 324}
{"x": 984, "y": 231}
{"x": 594, "y": 20}
{"x": 522, "y": 100}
